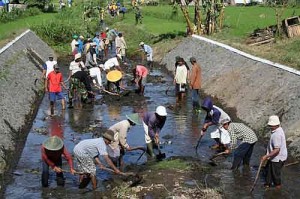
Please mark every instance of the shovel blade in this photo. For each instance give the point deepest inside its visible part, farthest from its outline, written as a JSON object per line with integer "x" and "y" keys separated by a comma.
{"x": 161, "y": 156}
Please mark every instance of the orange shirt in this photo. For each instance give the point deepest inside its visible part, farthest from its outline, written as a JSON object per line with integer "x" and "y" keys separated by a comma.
{"x": 54, "y": 81}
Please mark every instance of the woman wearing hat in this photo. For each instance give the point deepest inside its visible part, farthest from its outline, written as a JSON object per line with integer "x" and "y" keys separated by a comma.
{"x": 87, "y": 154}
{"x": 121, "y": 129}
{"x": 52, "y": 150}
{"x": 153, "y": 122}
{"x": 276, "y": 153}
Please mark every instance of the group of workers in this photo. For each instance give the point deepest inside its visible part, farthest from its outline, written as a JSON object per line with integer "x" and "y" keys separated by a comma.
{"x": 113, "y": 144}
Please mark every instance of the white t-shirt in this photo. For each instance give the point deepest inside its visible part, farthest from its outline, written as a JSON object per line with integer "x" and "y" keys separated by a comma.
{"x": 111, "y": 63}
{"x": 50, "y": 66}
{"x": 75, "y": 66}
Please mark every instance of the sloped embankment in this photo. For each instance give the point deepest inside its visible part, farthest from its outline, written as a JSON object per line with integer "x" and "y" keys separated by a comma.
{"x": 255, "y": 89}
{"x": 18, "y": 94}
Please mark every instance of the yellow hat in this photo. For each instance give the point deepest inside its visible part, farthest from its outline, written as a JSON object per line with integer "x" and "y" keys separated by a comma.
{"x": 114, "y": 76}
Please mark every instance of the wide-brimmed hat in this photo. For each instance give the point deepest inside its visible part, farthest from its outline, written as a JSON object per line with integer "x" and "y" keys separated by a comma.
{"x": 110, "y": 135}
{"x": 273, "y": 120}
{"x": 53, "y": 143}
{"x": 134, "y": 118}
{"x": 81, "y": 37}
{"x": 107, "y": 28}
{"x": 114, "y": 75}
{"x": 142, "y": 43}
{"x": 75, "y": 36}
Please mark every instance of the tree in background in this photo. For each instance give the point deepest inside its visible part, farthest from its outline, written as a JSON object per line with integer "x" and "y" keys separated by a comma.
{"x": 41, "y": 4}
{"x": 213, "y": 12}
{"x": 279, "y": 7}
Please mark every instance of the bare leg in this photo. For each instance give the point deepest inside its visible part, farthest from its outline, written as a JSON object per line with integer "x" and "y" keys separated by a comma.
{"x": 63, "y": 104}
{"x": 94, "y": 181}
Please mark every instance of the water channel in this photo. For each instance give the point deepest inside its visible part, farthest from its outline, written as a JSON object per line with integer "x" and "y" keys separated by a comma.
{"x": 181, "y": 129}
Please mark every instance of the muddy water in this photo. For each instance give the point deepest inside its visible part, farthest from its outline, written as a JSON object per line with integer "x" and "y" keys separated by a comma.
{"x": 178, "y": 137}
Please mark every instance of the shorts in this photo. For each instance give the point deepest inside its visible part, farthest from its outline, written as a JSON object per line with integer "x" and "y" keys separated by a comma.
{"x": 180, "y": 88}
{"x": 53, "y": 96}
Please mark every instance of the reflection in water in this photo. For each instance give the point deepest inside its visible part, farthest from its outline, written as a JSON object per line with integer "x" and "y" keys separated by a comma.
{"x": 56, "y": 127}
{"x": 114, "y": 112}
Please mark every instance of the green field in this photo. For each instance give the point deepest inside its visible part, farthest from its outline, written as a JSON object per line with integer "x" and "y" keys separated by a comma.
{"x": 159, "y": 23}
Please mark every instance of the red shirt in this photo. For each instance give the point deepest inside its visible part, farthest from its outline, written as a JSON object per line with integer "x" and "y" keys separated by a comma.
{"x": 103, "y": 35}
{"x": 54, "y": 80}
{"x": 141, "y": 71}
{"x": 53, "y": 157}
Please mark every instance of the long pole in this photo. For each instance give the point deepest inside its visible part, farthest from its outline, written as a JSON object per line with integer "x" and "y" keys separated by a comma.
{"x": 256, "y": 177}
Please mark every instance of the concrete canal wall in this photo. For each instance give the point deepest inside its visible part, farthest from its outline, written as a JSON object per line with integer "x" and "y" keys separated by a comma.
{"x": 18, "y": 93}
{"x": 256, "y": 88}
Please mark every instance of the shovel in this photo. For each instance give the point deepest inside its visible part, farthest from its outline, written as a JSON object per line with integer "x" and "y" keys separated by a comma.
{"x": 212, "y": 162}
{"x": 256, "y": 177}
{"x": 160, "y": 155}
{"x": 198, "y": 143}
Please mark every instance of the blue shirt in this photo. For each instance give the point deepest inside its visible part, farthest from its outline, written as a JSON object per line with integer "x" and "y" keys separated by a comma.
{"x": 80, "y": 46}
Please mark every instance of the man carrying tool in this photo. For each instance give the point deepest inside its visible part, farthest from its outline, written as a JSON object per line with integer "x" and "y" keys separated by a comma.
{"x": 276, "y": 153}
{"x": 140, "y": 73}
{"x": 213, "y": 117}
{"x": 53, "y": 86}
{"x": 153, "y": 122}
{"x": 148, "y": 52}
{"x": 117, "y": 149}
{"x": 87, "y": 154}
{"x": 248, "y": 138}
{"x": 52, "y": 150}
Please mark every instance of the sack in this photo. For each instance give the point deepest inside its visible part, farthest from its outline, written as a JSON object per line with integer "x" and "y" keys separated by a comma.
{"x": 182, "y": 87}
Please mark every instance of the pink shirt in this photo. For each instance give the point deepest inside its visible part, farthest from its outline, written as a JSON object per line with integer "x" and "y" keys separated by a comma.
{"x": 141, "y": 71}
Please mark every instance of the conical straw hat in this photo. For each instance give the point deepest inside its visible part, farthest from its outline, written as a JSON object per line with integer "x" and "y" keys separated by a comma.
{"x": 114, "y": 76}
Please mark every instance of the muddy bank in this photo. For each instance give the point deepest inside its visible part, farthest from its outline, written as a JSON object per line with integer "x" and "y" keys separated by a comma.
{"x": 19, "y": 95}
{"x": 256, "y": 90}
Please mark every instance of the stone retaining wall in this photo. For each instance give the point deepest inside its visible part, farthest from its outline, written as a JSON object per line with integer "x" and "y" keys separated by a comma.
{"x": 18, "y": 93}
{"x": 255, "y": 89}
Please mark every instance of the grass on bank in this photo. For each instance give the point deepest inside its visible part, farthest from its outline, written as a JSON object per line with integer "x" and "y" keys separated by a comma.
{"x": 158, "y": 24}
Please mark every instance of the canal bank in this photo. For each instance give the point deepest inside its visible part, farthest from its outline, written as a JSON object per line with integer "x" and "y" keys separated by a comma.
{"x": 181, "y": 130}
{"x": 19, "y": 94}
{"x": 255, "y": 88}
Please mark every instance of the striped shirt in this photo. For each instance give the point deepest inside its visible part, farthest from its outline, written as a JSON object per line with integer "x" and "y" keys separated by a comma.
{"x": 91, "y": 148}
{"x": 239, "y": 131}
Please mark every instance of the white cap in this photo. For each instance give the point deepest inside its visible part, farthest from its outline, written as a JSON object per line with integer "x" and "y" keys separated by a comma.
{"x": 142, "y": 43}
{"x": 161, "y": 111}
{"x": 107, "y": 28}
{"x": 77, "y": 56}
{"x": 273, "y": 120}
